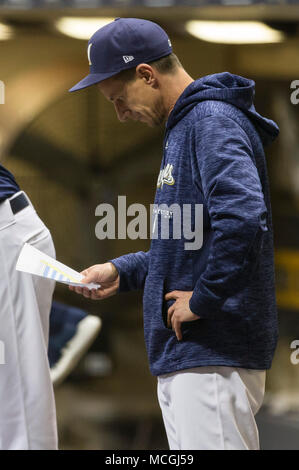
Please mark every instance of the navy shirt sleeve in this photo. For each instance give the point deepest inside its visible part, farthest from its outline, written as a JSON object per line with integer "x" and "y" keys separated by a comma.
{"x": 132, "y": 269}
{"x": 8, "y": 184}
{"x": 224, "y": 164}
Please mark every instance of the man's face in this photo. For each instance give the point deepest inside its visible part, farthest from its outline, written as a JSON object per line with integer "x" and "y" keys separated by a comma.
{"x": 136, "y": 100}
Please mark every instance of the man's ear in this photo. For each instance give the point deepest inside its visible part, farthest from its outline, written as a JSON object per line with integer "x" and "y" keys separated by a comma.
{"x": 145, "y": 72}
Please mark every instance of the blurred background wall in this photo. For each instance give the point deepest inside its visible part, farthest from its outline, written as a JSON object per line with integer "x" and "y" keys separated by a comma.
{"x": 70, "y": 153}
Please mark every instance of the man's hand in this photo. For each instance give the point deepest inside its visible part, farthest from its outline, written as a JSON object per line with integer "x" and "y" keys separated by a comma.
{"x": 105, "y": 274}
{"x": 179, "y": 311}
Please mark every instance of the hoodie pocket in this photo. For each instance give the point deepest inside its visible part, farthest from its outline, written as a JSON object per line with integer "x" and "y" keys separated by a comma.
{"x": 153, "y": 303}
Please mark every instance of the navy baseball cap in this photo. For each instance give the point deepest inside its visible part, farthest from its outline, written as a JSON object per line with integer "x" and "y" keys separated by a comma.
{"x": 123, "y": 44}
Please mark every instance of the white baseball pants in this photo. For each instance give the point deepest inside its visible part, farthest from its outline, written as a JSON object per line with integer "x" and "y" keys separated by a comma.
{"x": 211, "y": 408}
{"x": 27, "y": 406}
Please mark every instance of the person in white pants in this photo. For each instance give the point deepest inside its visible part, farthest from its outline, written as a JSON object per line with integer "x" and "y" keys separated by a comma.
{"x": 27, "y": 406}
{"x": 211, "y": 408}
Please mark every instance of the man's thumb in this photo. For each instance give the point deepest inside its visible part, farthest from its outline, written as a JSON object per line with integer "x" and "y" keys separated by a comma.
{"x": 88, "y": 277}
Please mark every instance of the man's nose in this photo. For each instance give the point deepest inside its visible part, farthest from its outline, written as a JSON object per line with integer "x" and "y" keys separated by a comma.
{"x": 122, "y": 112}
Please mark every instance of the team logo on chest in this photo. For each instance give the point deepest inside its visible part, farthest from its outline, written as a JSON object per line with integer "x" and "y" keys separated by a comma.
{"x": 165, "y": 176}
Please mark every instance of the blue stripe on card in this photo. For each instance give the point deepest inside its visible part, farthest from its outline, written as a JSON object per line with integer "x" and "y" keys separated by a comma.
{"x": 46, "y": 271}
{"x": 54, "y": 274}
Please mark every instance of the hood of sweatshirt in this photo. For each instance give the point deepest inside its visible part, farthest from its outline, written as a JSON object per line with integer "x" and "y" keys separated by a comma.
{"x": 233, "y": 89}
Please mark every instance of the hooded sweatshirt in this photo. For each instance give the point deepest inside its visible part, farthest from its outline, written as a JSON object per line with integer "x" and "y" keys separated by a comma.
{"x": 213, "y": 159}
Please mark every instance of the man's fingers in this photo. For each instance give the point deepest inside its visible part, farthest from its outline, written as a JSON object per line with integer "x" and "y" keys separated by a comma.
{"x": 101, "y": 293}
{"x": 173, "y": 323}
{"x": 169, "y": 315}
{"x": 172, "y": 295}
{"x": 97, "y": 294}
{"x": 78, "y": 290}
{"x": 86, "y": 292}
{"x": 94, "y": 294}
{"x": 177, "y": 328}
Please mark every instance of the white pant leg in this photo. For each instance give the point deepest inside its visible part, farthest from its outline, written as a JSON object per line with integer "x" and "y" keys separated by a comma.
{"x": 211, "y": 408}
{"x": 27, "y": 406}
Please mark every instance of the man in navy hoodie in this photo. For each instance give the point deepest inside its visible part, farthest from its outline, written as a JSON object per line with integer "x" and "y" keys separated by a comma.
{"x": 210, "y": 319}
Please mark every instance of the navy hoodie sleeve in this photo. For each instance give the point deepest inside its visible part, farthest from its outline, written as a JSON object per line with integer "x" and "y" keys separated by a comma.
{"x": 132, "y": 269}
{"x": 223, "y": 166}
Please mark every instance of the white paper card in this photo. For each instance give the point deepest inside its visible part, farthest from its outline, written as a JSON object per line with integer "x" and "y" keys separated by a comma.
{"x": 33, "y": 261}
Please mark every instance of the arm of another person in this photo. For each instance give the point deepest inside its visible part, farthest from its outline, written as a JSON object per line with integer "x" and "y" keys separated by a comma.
{"x": 128, "y": 272}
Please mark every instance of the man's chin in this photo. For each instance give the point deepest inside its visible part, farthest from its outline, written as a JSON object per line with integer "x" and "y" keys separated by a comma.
{"x": 146, "y": 121}
{"x": 150, "y": 122}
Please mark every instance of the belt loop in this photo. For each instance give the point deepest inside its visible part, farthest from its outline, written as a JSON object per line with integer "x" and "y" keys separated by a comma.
{"x": 18, "y": 203}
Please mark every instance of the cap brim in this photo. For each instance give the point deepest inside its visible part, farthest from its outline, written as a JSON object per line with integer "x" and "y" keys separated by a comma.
{"x": 91, "y": 79}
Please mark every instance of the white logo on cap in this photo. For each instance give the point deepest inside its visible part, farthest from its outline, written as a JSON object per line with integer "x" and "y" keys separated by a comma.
{"x": 169, "y": 43}
{"x": 128, "y": 58}
{"x": 88, "y": 53}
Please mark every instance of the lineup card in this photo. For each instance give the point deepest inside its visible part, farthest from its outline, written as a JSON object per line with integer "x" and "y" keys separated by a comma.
{"x": 33, "y": 261}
